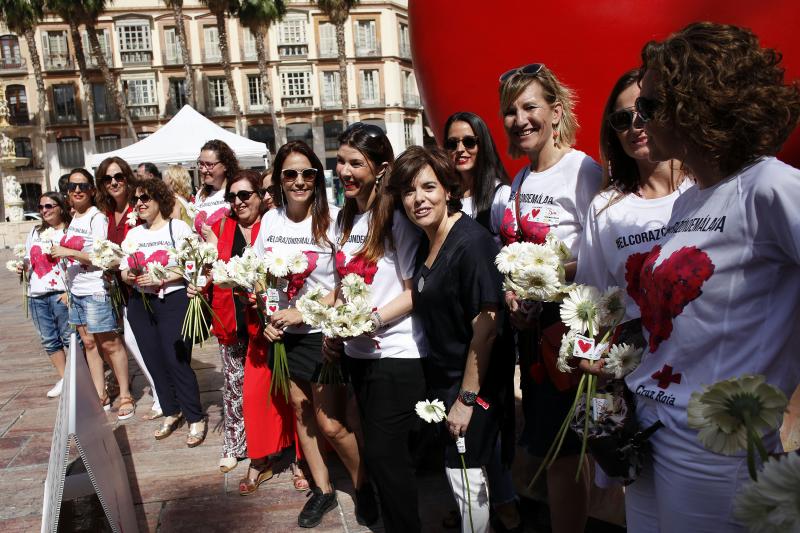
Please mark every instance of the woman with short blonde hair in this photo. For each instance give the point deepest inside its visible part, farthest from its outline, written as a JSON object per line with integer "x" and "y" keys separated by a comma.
{"x": 178, "y": 179}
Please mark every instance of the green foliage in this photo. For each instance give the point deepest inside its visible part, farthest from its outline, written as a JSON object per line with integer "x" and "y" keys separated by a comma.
{"x": 21, "y": 15}
{"x": 337, "y": 10}
{"x": 261, "y": 13}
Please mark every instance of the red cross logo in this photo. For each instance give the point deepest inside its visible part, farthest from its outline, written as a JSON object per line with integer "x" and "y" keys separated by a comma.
{"x": 53, "y": 283}
{"x": 665, "y": 377}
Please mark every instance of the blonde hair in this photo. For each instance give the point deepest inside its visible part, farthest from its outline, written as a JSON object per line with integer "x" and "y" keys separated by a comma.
{"x": 178, "y": 179}
{"x": 554, "y": 92}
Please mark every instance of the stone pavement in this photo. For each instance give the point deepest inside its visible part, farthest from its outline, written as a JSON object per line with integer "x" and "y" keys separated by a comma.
{"x": 175, "y": 488}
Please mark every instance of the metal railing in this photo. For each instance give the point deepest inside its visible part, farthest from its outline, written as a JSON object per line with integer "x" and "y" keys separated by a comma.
{"x": 332, "y": 104}
{"x": 176, "y": 59}
{"x": 142, "y": 112}
{"x": 411, "y": 100}
{"x": 212, "y": 56}
{"x": 370, "y": 102}
{"x": 13, "y": 64}
{"x": 67, "y": 118}
{"x": 250, "y": 54}
{"x": 142, "y": 57}
{"x": 368, "y": 51}
{"x": 328, "y": 53}
{"x": 292, "y": 50}
{"x": 58, "y": 62}
{"x": 297, "y": 102}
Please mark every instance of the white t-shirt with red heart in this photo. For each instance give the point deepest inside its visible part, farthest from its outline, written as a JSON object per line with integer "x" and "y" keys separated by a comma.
{"x": 401, "y": 339}
{"x": 614, "y": 229}
{"x": 720, "y": 293}
{"x": 285, "y": 237}
{"x": 555, "y": 200}
{"x": 210, "y": 209}
{"x": 153, "y": 247}
{"x": 85, "y": 280}
{"x": 45, "y": 271}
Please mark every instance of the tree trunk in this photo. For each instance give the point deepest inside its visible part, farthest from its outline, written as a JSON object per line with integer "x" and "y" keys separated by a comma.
{"x": 266, "y": 92}
{"x": 111, "y": 84}
{"x": 226, "y": 66}
{"x": 80, "y": 57}
{"x": 342, "y": 53}
{"x": 177, "y": 10}
{"x": 42, "y": 97}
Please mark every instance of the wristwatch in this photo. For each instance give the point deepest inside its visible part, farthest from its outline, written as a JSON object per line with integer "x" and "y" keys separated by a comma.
{"x": 468, "y": 398}
{"x": 376, "y": 320}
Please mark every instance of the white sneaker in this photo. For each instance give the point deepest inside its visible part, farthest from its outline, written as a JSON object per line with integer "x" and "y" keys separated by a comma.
{"x": 55, "y": 392}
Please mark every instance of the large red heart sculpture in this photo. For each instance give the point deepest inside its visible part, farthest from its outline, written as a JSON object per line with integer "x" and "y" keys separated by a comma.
{"x": 461, "y": 48}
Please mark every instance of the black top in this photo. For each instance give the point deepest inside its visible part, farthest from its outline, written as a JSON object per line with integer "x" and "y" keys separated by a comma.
{"x": 462, "y": 280}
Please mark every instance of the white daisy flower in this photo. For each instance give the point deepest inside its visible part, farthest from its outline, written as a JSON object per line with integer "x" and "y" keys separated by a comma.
{"x": 510, "y": 258}
{"x": 50, "y": 235}
{"x": 132, "y": 218}
{"x": 298, "y": 263}
{"x": 431, "y": 411}
{"x": 565, "y": 351}
{"x": 542, "y": 256}
{"x": 622, "y": 360}
{"x": 772, "y": 505}
{"x": 129, "y": 247}
{"x": 538, "y": 283}
{"x": 355, "y": 288}
{"x": 19, "y": 251}
{"x": 557, "y": 245}
{"x": 158, "y": 271}
{"x": 276, "y": 264}
{"x": 580, "y": 308}
{"x": 13, "y": 264}
{"x": 611, "y": 307}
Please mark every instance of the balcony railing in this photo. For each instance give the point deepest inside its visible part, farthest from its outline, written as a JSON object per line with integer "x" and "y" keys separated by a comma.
{"x": 57, "y": 117}
{"x": 218, "y": 111}
{"x": 175, "y": 57}
{"x": 58, "y": 62}
{"x": 110, "y": 115}
{"x": 411, "y": 100}
{"x": 297, "y": 102}
{"x": 328, "y": 53}
{"x": 249, "y": 54}
{"x": 405, "y": 51}
{"x": 212, "y": 56}
{"x": 19, "y": 118}
{"x": 293, "y": 50}
{"x": 257, "y": 108}
{"x": 370, "y": 102}
{"x": 142, "y": 57}
{"x": 12, "y": 64}
{"x": 143, "y": 112}
{"x": 92, "y": 62}
{"x": 332, "y": 104}
{"x": 368, "y": 51}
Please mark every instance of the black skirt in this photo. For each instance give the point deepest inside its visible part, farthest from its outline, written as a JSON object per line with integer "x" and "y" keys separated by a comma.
{"x": 304, "y": 354}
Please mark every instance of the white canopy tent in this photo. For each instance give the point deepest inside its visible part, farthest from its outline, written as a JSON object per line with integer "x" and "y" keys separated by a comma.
{"x": 180, "y": 140}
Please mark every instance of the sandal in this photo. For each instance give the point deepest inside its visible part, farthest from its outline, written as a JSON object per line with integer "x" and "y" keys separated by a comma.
{"x": 247, "y": 485}
{"x": 105, "y": 401}
{"x": 299, "y": 478}
{"x": 170, "y": 424}
{"x": 126, "y": 409}
{"x": 226, "y": 464}
{"x": 153, "y": 414}
{"x": 197, "y": 433}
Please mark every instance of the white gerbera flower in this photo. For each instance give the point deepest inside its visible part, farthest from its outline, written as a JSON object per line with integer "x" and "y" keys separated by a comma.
{"x": 566, "y": 351}
{"x": 19, "y": 251}
{"x": 722, "y": 412}
{"x": 158, "y": 271}
{"x": 580, "y": 308}
{"x": 132, "y": 218}
{"x": 192, "y": 211}
{"x": 129, "y": 246}
{"x": 13, "y": 264}
{"x": 311, "y": 308}
{"x": 431, "y": 411}
{"x": 298, "y": 263}
{"x": 276, "y": 264}
{"x": 510, "y": 258}
{"x": 622, "y": 360}
{"x": 772, "y": 505}
{"x": 561, "y": 250}
{"x": 538, "y": 283}
{"x": 611, "y": 308}
{"x": 354, "y": 288}
{"x": 542, "y": 256}
{"x": 50, "y": 235}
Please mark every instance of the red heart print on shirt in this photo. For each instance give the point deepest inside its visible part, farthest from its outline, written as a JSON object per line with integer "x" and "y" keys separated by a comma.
{"x": 138, "y": 261}
{"x": 204, "y": 218}
{"x": 357, "y": 265}
{"x": 534, "y": 232}
{"x": 663, "y": 291}
{"x": 296, "y": 281}
{"x": 42, "y": 263}
{"x": 73, "y": 243}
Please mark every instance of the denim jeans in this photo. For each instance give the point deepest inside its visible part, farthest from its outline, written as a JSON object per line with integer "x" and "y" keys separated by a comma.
{"x": 95, "y": 312}
{"x": 51, "y": 319}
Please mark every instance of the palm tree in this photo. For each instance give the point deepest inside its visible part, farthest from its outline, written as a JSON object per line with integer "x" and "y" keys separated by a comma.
{"x": 21, "y": 17}
{"x": 337, "y": 12}
{"x": 258, "y": 15}
{"x": 86, "y": 12}
{"x": 220, "y": 8}
{"x": 177, "y": 11}
{"x": 66, "y": 10}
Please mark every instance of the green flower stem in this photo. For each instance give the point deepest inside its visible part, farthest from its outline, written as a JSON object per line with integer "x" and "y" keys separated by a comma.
{"x": 590, "y": 392}
{"x": 469, "y": 499}
{"x": 754, "y": 443}
{"x": 280, "y": 370}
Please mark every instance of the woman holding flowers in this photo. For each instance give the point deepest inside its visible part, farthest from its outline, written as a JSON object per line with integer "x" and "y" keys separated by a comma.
{"x": 217, "y": 164}
{"x": 719, "y": 294}
{"x": 550, "y": 195}
{"x": 157, "y": 307}
{"x": 91, "y": 309}
{"x": 378, "y": 243}
{"x": 47, "y": 296}
{"x": 458, "y": 298}
{"x": 302, "y": 222}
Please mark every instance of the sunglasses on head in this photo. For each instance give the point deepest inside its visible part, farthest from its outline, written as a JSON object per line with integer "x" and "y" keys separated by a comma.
{"x": 530, "y": 70}
{"x": 47, "y": 207}
{"x": 80, "y": 187}
{"x": 144, "y": 198}
{"x": 290, "y": 174}
{"x": 647, "y": 108}
{"x": 119, "y": 177}
{"x": 370, "y": 129}
{"x": 243, "y": 196}
{"x": 469, "y": 142}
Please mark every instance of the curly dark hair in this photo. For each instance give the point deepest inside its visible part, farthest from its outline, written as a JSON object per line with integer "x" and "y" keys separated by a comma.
{"x": 160, "y": 193}
{"x": 722, "y": 93}
{"x": 226, "y": 157}
{"x": 412, "y": 161}
{"x": 104, "y": 201}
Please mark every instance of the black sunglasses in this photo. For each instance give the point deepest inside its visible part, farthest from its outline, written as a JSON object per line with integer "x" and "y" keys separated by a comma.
{"x": 143, "y": 198}
{"x": 80, "y": 187}
{"x": 119, "y": 177}
{"x": 469, "y": 142}
{"x": 44, "y": 207}
{"x": 531, "y": 70}
{"x": 623, "y": 119}
{"x": 370, "y": 129}
{"x": 647, "y": 108}
{"x": 290, "y": 174}
{"x": 243, "y": 196}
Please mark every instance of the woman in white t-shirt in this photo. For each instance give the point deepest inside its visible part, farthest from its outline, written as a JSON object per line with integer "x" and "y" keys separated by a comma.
{"x": 47, "y": 293}
{"x": 157, "y": 308}
{"x": 719, "y": 294}
{"x": 91, "y": 310}
{"x": 379, "y": 243}
{"x": 551, "y": 194}
{"x": 217, "y": 164}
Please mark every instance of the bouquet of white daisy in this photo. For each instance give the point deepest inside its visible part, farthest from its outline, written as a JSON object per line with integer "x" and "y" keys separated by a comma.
{"x": 194, "y": 259}
{"x": 534, "y": 271}
{"x": 772, "y": 504}
{"x": 106, "y": 255}
{"x": 17, "y": 266}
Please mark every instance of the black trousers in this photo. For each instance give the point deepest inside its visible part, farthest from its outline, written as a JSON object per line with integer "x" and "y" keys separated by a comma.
{"x": 387, "y": 391}
{"x": 167, "y": 355}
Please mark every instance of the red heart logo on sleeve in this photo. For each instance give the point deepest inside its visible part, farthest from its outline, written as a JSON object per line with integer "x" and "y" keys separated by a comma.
{"x": 296, "y": 281}
{"x": 42, "y": 263}
{"x": 159, "y": 256}
{"x": 508, "y": 228}
{"x": 584, "y": 346}
{"x": 663, "y": 291}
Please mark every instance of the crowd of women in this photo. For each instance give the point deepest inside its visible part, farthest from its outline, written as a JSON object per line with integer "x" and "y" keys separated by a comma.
{"x": 691, "y": 133}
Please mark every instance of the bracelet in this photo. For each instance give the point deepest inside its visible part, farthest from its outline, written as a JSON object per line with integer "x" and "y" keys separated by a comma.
{"x": 376, "y": 319}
